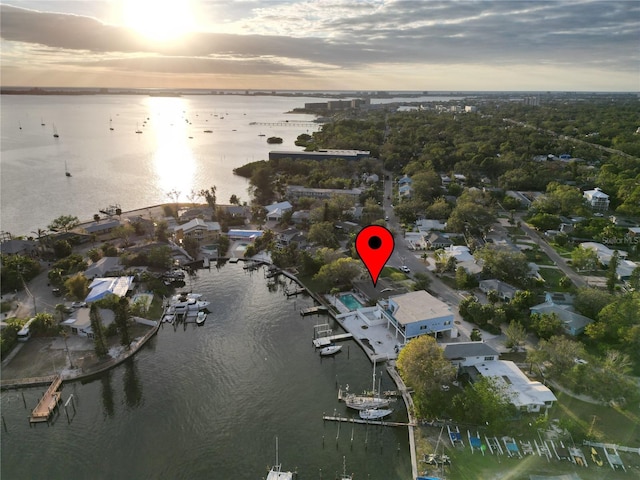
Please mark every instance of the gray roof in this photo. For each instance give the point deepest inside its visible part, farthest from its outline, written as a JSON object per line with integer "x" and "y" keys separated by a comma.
{"x": 468, "y": 349}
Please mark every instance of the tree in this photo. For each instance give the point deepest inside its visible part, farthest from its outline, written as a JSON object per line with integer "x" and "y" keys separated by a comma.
{"x": 210, "y": 197}
{"x": 99, "y": 338}
{"x": 44, "y": 324}
{"x": 162, "y": 231}
{"x": 63, "y": 223}
{"x": 323, "y": 234}
{"x": 486, "y": 401}
{"x": 423, "y": 367}
{"x": 421, "y": 281}
{"x": 559, "y": 351}
{"x": 506, "y": 265}
{"x": 340, "y": 272}
{"x": 77, "y": 286}
{"x": 589, "y": 301}
{"x": 16, "y": 270}
{"x": 546, "y": 325}
{"x": 516, "y": 335}
{"x": 160, "y": 257}
{"x": 234, "y": 200}
{"x": 124, "y": 233}
{"x": 96, "y": 218}
{"x": 612, "y": 274}
{"x": 545, "y": 221}
{"x": 122, "y": 321}
{"x": 62, "y": 249}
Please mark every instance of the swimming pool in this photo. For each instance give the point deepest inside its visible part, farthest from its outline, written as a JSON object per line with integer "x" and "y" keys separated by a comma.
{"x": 351, "y": 302}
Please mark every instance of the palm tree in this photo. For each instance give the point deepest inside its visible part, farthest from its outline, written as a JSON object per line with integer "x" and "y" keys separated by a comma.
{"x": 96, "y": 218}
{"x": 40, "y": 232}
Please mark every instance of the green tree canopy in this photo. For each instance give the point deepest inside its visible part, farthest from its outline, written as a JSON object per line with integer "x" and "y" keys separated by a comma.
{"x": 339, "y": 273}
{"x": 63, "y": 223}
{"x": 423, "y": 367}
{"x": 77, "y": 286}
{"x": 506, "y": 265}
{"x": 485, "y": 402}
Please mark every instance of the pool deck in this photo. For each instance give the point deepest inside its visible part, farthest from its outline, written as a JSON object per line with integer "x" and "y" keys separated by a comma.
{"x": 378, "y": 342}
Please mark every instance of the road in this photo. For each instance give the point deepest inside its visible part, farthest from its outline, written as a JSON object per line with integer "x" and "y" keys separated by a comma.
{"x": 577, "y": 280}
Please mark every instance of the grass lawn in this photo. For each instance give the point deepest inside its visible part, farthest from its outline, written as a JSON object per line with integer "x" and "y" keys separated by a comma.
{"x": 536, "y": 256}
{"x": 552, "y": 278}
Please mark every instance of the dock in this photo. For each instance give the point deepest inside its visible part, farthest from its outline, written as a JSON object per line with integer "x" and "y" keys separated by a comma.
{"x": 324, "y": 341}
{"x": 314, "y": 310}
{"x": 367, "y": 422}
{"x": 297, "y": 291}
{"x": 47, "y": 403}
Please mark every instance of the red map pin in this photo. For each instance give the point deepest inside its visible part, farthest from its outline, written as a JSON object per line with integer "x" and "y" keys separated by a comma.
{"x": 375, "y": 245}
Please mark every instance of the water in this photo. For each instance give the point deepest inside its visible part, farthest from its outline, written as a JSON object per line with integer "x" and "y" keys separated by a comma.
{"x": 350, "y": 301}
{"x": 120, "y": 166}
{"x": 207, "y": 402}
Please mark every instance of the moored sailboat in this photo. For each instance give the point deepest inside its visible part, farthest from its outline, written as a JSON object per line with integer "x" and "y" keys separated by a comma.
{"x": 365, "y": 402}
{"x": 276, "y": 472}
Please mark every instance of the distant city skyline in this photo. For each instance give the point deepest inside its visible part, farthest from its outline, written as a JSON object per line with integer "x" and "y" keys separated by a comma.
{"x": 322, "y": 45}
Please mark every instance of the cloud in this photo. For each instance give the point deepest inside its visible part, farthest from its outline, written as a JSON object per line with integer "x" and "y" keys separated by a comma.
{"x": 289, "y": 37}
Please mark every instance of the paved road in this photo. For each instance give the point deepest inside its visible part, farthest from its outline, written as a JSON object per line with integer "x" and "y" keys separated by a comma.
{"x": 577, "y": 280}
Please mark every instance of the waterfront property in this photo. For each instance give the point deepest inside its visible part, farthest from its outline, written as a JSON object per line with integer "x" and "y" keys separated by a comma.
{"x": 80, "y": 323}
{"x": 198, "y": 229}
{"x": 478, "y": 359}
{"x": 416, "y": 313}
{"x": 325, "y": 154}
{"x": 101, "y": 287}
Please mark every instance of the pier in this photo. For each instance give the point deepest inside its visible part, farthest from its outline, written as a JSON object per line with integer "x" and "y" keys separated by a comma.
{"x": 47, "y": 403}
{"x": 314, "y": 310}
{"x": 296, "y": 291}
{"x": 367, "y": 422}
{"x": 324, "y": 341}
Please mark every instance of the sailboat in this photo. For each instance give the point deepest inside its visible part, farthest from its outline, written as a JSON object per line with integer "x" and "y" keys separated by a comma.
{"x": 138, "y": 129}
{"x": 110, "y": 124}
{"x": 55, "y": 131}
{"x": 276, "y": 472}
{"x": 366, "y": 402}
{"x": 344, "y": 471}
{"x": 66, "y": 169}
{"x": 42, "y": 121}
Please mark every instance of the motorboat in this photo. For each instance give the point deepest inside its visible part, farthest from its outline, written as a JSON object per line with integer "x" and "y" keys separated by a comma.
{"x": 330, "y": 350}
{"x": 374, "y": 413}
{"x": 201, "y": 318}
{"x": 169, "y": 318}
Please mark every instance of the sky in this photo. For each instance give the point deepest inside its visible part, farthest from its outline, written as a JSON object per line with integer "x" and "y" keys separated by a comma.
{"x": 422, "y": 45}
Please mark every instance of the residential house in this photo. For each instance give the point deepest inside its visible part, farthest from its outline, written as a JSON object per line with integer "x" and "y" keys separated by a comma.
{"x": 80, "y": 323}
{"x": 464, "y": 354}
{"x": 477, "y": 359}
{"x": 300, "y": 217}
{"x": 250, "y": 235}
{"x": 97, "y": 228}
{"x": 427, "y": 225}
{"x": 505, "y": 291}
{"x": 574, "y": 323}
{"x": 275, "y": 211}
{"x": 625, "y": 269}
{"x": 436, "y": 241}
{"x": 603, "y": 252}
{"x": 597, "y": 199}
{"x": 18, "y": 247}
{"x": 416, "y": 313}
{"x": 295, "y": 192}
{"x": 100, "y": 287}
{"x": 103, "y": 267}
{"x": 404, "y": 191}
{"x": 198, "y": 229}
{"x": 291, "y": 235}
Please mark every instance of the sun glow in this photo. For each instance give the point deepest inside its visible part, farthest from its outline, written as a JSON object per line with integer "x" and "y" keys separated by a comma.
{"x": 159, "y": 20}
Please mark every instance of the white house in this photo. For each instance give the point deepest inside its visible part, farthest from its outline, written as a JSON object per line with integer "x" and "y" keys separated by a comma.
{"x": 198, "y": 229}
{"x": 101, "y": 287}
{"x": 416, "y": 313}
{"x": 597, "y": 199}
{"x": 275, "y": 211}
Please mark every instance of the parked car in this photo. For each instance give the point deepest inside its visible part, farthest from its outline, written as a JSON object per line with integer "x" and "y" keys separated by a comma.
{"x": 56, "y": 292}
{"x": 79, "y": 305}
{"x": 405, "y": 269}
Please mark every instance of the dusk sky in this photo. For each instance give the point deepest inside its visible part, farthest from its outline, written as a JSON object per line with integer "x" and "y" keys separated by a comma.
{"x": 322, "y": 44}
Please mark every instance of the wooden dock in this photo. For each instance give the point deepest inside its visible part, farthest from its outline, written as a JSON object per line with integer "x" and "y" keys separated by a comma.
{"x": 47, "y": 403}
{"x": 367, "y": 422}
{"x": 314, "y": 310}
{"x": 297, "y": 291}
{"x": 324, "y": 341}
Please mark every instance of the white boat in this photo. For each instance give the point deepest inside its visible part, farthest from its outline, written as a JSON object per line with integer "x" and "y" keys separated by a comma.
{"x": 276, "y": 472}
{"x": 374, "y": 413}
{"x": 201, "y": 318}
{"x": 169, "y": 318}
{"x": 330, "y": 350}
{"x": 365, "y": 402}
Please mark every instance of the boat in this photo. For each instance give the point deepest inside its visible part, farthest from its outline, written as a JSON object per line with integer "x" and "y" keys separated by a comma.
{"x": 330, "y": 350}
{"x": 66, "y": 170}
{"x": 55, "y": 131}
{"x": 111, "y": 124}
{"x": 276, "y": 472}
{"x": 168, "y": 318}
{"x": 374, "y": 413}
{"x": 138, "y": 129}
{"x": 42, "y": 121}
{"x": 201, "y": 318}
{"x": 364, "y": 402}
{"x": 208, "y": 131}
{"x": 595, "y": 456}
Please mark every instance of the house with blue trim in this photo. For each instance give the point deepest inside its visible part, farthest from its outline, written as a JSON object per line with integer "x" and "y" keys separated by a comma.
{"x": 417, "y": 313}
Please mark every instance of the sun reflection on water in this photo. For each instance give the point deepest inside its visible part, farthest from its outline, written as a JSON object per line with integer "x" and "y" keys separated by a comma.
{"x": 173, "y": 160}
